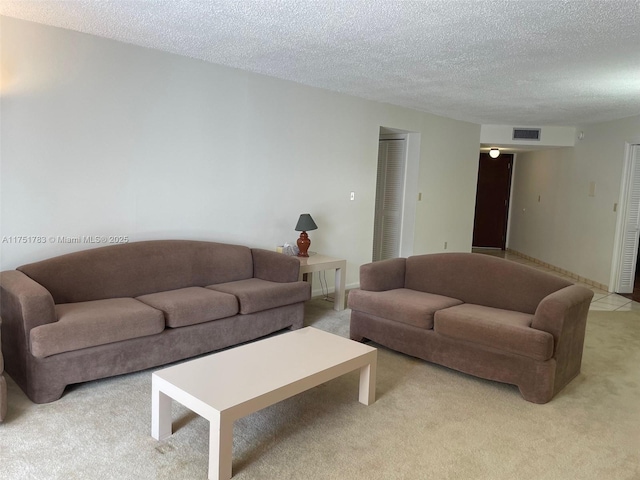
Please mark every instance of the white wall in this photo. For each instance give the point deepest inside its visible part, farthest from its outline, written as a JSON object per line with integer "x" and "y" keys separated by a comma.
{"x": 104, "y": 138}
{"x": 447, "y": 180}
{"x": 569, "y": 228}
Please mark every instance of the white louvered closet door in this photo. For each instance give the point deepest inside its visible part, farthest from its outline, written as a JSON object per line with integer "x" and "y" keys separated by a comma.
{"x": 632, "y": 227}
{"x": 389, "y": 199}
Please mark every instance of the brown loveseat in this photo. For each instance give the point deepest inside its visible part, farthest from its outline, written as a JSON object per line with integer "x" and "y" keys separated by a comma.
{"x": 124, "y": 308}
{"x": 3, "y": 384}
{"x": 482, "y": 315}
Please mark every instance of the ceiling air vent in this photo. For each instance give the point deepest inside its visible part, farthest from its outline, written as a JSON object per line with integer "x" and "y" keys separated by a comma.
{"x": 526, "y": 134}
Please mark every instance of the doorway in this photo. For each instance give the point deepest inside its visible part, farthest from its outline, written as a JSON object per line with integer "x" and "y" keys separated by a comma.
{"x": 387, "y": 227}
{"x": 635, "y": 292}
{"x": 625, "y": 267}
{"x": 492, "y": 201}
{"x": 403, "y": 228}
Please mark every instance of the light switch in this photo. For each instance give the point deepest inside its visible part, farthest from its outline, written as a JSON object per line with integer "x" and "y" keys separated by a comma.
{"x": 592, "y": 189}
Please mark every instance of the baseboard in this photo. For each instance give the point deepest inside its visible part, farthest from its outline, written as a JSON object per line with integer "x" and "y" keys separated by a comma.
{"x": 562, "y": 271}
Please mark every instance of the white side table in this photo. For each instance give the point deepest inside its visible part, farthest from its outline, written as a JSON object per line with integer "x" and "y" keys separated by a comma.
{"x": 318, "y": 263}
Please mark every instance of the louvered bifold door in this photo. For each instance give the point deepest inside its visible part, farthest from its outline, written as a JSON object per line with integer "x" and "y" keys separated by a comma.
{"x": 632, "y": 227}
{"x": 389, "y": 199}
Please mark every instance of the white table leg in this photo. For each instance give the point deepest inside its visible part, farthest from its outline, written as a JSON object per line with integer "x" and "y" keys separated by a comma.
{"x": 160, "y": 413}
{"x": 367, "y": 393}
{"x": 341, "y": 278}
{"x": 220, "y": 448}
{"x": 308, "y": 277}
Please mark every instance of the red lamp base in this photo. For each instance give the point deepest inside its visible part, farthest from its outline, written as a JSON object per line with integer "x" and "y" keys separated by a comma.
{"x": 303, "y": 244}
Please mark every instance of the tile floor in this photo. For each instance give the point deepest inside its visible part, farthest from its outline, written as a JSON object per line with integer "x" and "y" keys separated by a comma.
{"x": 602, "y": 300}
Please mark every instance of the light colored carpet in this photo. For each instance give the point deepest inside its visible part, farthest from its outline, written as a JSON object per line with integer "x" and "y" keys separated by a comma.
{"x": 428, "y": 422}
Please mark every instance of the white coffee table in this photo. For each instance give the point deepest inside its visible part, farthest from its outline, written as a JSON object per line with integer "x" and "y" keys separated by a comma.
{"x": 231, "y": 384}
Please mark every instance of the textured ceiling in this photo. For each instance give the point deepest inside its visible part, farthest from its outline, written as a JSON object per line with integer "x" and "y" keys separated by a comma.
{"x": 526, "y": 63}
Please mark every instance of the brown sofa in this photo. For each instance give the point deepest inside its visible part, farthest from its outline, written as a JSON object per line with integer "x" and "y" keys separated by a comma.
{"x": 123, "y": 308}
{"x": 481, "y": 315}
{"x": 3, "y": 383}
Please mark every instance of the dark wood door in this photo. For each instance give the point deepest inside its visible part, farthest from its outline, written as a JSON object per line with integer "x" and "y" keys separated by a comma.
{"x": 492, "y": 201}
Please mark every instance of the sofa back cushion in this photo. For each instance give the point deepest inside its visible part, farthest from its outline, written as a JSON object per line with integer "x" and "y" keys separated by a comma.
{"x": 140, "y": 268}
{"x": 482, "y": 280}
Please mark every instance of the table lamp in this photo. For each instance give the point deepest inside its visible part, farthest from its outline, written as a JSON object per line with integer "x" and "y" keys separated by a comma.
{"x": 305, "y": 223}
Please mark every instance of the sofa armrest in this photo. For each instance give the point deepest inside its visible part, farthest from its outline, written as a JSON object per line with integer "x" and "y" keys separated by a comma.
{"x": 24, "y": 304}
{"x": 274, "y": 266}
{"x": 383, "y": 275}
{"x": 564, "y": 315}
{"x": 563, "y": 311}
{"x": 24, "y": 300}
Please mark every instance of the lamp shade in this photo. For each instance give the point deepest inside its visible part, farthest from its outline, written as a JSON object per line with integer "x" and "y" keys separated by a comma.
{"x": 305, "y": 223}
{"x": 494, "y": 152}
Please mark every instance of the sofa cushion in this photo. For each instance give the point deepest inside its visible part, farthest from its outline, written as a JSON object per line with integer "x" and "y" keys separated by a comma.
{"x": 188, "y": 306}
{"x": 1, "y": 357}
{"x": 255, "y": 294}
{"x": 492, "y": 327}
{"x": 87, "y": 324}
{"x": 401, "y": 304}
{"x": 3, "y": 384}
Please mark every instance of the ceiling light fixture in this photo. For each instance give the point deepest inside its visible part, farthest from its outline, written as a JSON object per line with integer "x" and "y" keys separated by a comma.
{"x": 494, "y": 152}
